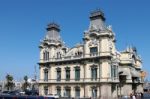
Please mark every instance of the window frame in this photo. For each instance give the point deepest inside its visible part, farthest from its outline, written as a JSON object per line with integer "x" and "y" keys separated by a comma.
{"x": 94, "y": 72}
{"x": 77, "y": 92}
{"x": 58, "y": 70}
{"x": 77, "y": 73}
{"x": 45, "y": 74}
{"x": 67, "y": 69}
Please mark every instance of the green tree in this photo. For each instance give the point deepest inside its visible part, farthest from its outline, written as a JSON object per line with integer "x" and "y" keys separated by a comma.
{"x": 26, "y": 83}
{"x": 9, "y": 82}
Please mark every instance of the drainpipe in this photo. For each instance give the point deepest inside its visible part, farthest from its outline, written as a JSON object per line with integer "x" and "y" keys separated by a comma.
{"x": 99, "y": 80}
{"x": 84, "y": 78}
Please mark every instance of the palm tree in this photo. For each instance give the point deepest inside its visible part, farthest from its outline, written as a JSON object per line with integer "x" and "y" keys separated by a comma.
{"x": 9, "y": 79}
{"x": 26, "y": 84}
{"x": 26, "y": 78}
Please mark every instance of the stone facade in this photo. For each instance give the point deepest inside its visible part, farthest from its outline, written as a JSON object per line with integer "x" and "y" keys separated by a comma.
{"x": 93, "y": 68}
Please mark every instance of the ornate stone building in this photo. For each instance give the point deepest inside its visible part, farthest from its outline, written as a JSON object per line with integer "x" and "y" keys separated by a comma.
{"x": 91, "y": 69}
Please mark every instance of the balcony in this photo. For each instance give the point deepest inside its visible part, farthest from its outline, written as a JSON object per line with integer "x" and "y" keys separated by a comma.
{"x": 81, "y": 80}
{"x": 61, "y": 81}
{"x": 77, "y": 57}
{"x": 61, "y": 59}
{"x": 104, "y": 54}
{"x": 94, "y": 54}
{"x": 126, "y": 61}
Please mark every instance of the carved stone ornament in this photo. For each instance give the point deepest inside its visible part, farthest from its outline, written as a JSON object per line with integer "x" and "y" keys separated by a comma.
{"x": 93, "y": 42}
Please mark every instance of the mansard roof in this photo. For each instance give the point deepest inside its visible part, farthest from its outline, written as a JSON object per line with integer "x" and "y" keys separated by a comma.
{"x": 53, "y": 26}
{"x": 97, "y": 14}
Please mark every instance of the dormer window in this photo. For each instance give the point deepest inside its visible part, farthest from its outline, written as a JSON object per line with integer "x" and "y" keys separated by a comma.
{"x": 78, "y": 53}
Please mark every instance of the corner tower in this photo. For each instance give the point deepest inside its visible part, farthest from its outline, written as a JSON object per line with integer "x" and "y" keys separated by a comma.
{"x": 51, "y": 42}
{"x": 99, "y": 43}
{"x": 98, "y": 34}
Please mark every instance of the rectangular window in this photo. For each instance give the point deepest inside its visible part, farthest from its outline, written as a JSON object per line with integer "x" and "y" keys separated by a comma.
{"x": 77, "y": 73}
{"x": 113, "y": 71}
{"x": 59, "y": 91}
{"x": 77, "y": 92}
{"x": 67, "y": 74}
{"x": 93, "y": 51}
{"x": 45, "y": 75}
{"x": 68, "y": 92}
{"x": 94, "y": 92}
{"x": 94, "y": 73}
{"x": 47, "y": 55}
{"x": 58, "y": 55}
{"x": 46, "y": 90}
{"x": 43, "y": 55}
{"x": 58, "y": 75}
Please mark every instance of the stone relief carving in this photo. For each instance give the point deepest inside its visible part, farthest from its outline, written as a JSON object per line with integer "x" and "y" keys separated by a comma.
{"x": 93, "y": 42}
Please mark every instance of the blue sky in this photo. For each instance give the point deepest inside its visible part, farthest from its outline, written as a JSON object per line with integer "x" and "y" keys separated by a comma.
{"x": 23, "y": 23}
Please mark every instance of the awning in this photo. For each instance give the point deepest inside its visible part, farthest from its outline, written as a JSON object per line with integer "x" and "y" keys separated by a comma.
{"x": 135, "y": 73}
{"x": 123, "y": 71}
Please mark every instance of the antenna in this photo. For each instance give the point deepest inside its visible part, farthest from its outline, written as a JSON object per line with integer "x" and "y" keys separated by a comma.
{"x": 35, "y": 73}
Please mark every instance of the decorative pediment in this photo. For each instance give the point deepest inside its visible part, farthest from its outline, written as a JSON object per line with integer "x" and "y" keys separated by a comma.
{"x": 93, "y": 42}
{"x": 58, "y": 69}
{"x": 77, "y": 67}
{"x": 67, "y": 68}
